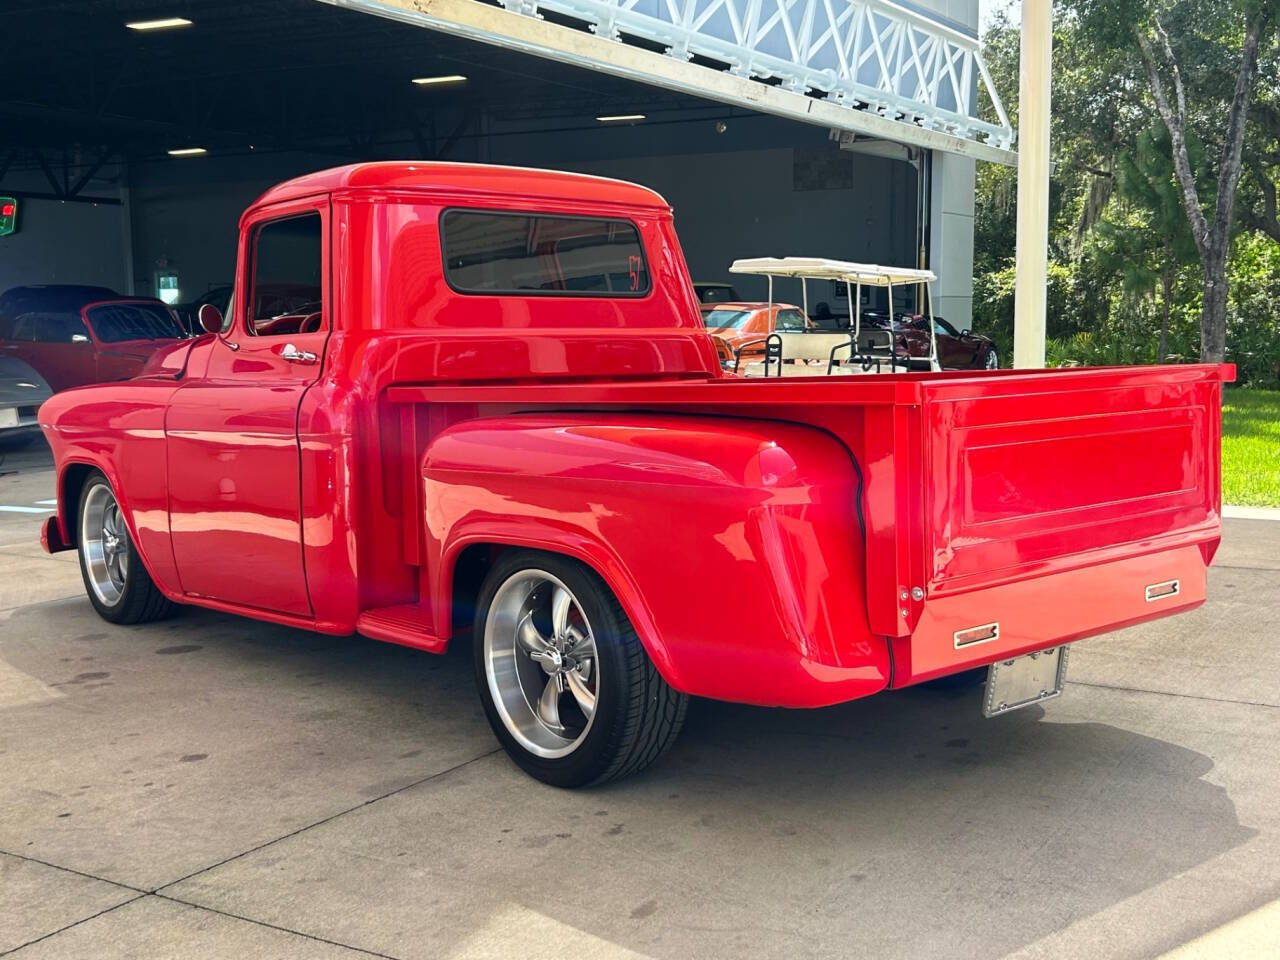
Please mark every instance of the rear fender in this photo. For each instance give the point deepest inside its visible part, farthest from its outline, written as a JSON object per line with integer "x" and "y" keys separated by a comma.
{"x": 732, "y": 545}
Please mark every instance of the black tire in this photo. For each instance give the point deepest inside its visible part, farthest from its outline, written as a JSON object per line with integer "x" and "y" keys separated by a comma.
{"x": 140, "y": 600}
{"x": 637, "y": 714}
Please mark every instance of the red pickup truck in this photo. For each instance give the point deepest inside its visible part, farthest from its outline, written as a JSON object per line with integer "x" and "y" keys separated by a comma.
{"x": 497, "y": 411}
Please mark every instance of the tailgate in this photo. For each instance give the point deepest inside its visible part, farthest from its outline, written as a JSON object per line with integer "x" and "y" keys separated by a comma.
{"x": 1048, "y": 488}
{"x": 1049, "y": 477}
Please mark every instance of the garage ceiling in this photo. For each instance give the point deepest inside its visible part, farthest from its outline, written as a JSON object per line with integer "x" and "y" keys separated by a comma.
{"x": 285, "y": 75}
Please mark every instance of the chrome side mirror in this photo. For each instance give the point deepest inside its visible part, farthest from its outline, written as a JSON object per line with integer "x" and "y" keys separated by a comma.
{"x": 210, "y": 318}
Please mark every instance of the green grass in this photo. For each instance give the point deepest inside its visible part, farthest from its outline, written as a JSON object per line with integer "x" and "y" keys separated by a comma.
{"x": 1251, "y": 447}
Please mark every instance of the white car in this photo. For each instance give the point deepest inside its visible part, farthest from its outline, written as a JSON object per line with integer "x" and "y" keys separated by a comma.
{"x": 22, "y": 390}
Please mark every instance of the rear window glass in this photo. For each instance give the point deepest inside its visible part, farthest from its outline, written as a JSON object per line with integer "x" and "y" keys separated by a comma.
{"x": 726, "y": 319}
{"x": 117, "y": 322}
{"x": 791, "y": 321}
{"x": 518, "y": 253}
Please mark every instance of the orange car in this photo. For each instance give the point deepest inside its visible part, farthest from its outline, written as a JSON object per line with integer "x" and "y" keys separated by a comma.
{"x": 745, "y": 326}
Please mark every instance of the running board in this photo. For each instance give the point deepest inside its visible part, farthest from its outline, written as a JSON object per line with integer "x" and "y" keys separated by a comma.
{"x": 407, "y": 624}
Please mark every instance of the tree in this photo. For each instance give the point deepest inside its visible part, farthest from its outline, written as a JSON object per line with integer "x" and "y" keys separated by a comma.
{"x": 1212, "y": 236}
{"x": 1146, "y": 239}
{"x": 1199, "y": 62}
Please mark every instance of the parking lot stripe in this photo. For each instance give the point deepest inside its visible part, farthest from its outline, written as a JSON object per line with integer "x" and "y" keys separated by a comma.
{"x": 6, "y": 508}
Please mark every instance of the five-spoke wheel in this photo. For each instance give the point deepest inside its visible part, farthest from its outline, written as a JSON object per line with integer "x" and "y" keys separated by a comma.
{"x": 541, "y": 663}
{"x": 104, "y": 542}
{"x": 118, "y": 584}
{"x": 568, "y": 687}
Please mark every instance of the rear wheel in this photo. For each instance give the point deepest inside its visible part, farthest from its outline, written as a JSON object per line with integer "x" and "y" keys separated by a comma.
{"x": 118, "y": 585}
{"x": 992, "y": 361}
{"x": 566, "y": 684}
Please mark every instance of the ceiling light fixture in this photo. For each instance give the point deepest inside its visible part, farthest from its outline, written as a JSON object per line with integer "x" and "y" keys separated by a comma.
{"x": 621, "y": 116}
{"x": 188, "y": 152}
{"x": 447, "y": 78}
{"x": 167, "y": 23}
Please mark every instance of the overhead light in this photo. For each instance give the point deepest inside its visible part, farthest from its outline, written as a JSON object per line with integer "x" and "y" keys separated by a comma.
{"x": 168, "y": 23}
{"x": 621, "y": 116}
{"x": 188, "y": 152}
{"x": 447, "y": 78}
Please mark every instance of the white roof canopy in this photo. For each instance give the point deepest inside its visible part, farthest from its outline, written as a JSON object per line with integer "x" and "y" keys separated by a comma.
{"x": 867, "y": 274}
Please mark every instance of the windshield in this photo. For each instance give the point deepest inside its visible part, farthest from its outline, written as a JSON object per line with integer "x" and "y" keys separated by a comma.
{"x": 727, "y": 319}
{"x": 940, "y": 326}
{"x": 117, "y": 322}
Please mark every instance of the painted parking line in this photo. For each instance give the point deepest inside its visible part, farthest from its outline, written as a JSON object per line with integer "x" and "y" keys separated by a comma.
{"x": 6, "y": 508}
{"x": 47, "y": 503}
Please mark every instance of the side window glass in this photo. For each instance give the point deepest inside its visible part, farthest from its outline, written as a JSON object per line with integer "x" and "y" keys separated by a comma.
{"x": 24, "y": 327}
{"x": 285, "y": 297}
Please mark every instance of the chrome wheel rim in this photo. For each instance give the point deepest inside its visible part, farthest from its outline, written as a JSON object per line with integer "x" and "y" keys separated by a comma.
{"x": 993, "y": 361}
{"x": 104, "y": 540}
{"x": 540, "y": 663}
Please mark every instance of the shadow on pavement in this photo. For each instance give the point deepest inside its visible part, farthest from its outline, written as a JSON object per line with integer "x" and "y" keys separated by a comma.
{"x": 902, "y": 825}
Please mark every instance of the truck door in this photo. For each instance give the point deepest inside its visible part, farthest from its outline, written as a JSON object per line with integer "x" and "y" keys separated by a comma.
{"x": 233, "y": 454}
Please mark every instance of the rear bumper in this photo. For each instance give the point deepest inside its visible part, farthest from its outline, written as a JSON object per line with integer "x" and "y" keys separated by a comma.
{"x": 1044, "y": 611}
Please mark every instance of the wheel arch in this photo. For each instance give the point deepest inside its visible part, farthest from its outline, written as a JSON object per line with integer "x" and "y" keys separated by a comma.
{"x": 469, "y": 556}
{"x": 73, "y": 476}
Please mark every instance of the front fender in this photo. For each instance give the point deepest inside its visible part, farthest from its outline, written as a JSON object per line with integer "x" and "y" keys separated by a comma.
{"x": 117, "y": 429}
{"x": 733, "y": 546}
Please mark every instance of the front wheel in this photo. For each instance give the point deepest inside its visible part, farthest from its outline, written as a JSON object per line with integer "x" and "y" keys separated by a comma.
{"x": 118, "y": 585}
{"x": 566, "y": 684}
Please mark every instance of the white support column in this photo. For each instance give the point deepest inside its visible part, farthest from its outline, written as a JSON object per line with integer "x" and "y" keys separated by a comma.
{"x": 1031, "y": 280}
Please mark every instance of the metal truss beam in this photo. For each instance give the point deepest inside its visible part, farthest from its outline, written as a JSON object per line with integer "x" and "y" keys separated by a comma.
{"x": 929, "y": 71}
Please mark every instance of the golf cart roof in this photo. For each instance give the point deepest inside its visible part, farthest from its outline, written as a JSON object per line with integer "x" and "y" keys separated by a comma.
{"x": 869, "y": 274}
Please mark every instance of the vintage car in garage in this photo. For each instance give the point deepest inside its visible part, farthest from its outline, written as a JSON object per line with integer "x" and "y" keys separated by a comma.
{"x": 743, "y": 327}
{"x": 72, "y": 344}
{"x": 505, "y": 419}
{"x": 957, "y": 349}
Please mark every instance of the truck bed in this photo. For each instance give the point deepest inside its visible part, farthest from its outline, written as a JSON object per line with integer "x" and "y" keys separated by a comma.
{"x": 1054, "y": 503}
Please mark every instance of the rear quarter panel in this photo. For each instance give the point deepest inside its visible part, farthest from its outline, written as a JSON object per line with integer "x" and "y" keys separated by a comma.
{"x": 733, "y": 545}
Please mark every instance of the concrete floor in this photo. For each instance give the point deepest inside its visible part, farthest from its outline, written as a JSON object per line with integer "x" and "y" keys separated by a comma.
{"x": 213, "y": 787}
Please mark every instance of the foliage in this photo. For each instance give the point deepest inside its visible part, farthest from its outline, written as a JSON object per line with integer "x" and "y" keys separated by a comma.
{"x": 1123, "y": 259}
{"x": 1250, "y": 438}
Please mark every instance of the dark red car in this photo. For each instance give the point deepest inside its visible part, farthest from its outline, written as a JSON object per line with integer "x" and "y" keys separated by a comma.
{"x": 957, "y": 349}
{"x": 97, "y": 342}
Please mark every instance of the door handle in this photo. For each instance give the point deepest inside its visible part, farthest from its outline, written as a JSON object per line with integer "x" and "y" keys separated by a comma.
{"x": 294, "y": 355}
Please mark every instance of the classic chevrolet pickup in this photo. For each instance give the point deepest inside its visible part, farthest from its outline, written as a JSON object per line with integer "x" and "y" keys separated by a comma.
{"x": 455, "y": 399}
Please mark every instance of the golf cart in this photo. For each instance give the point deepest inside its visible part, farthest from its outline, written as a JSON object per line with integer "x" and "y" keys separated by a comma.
{"x": 849, "y": 351}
